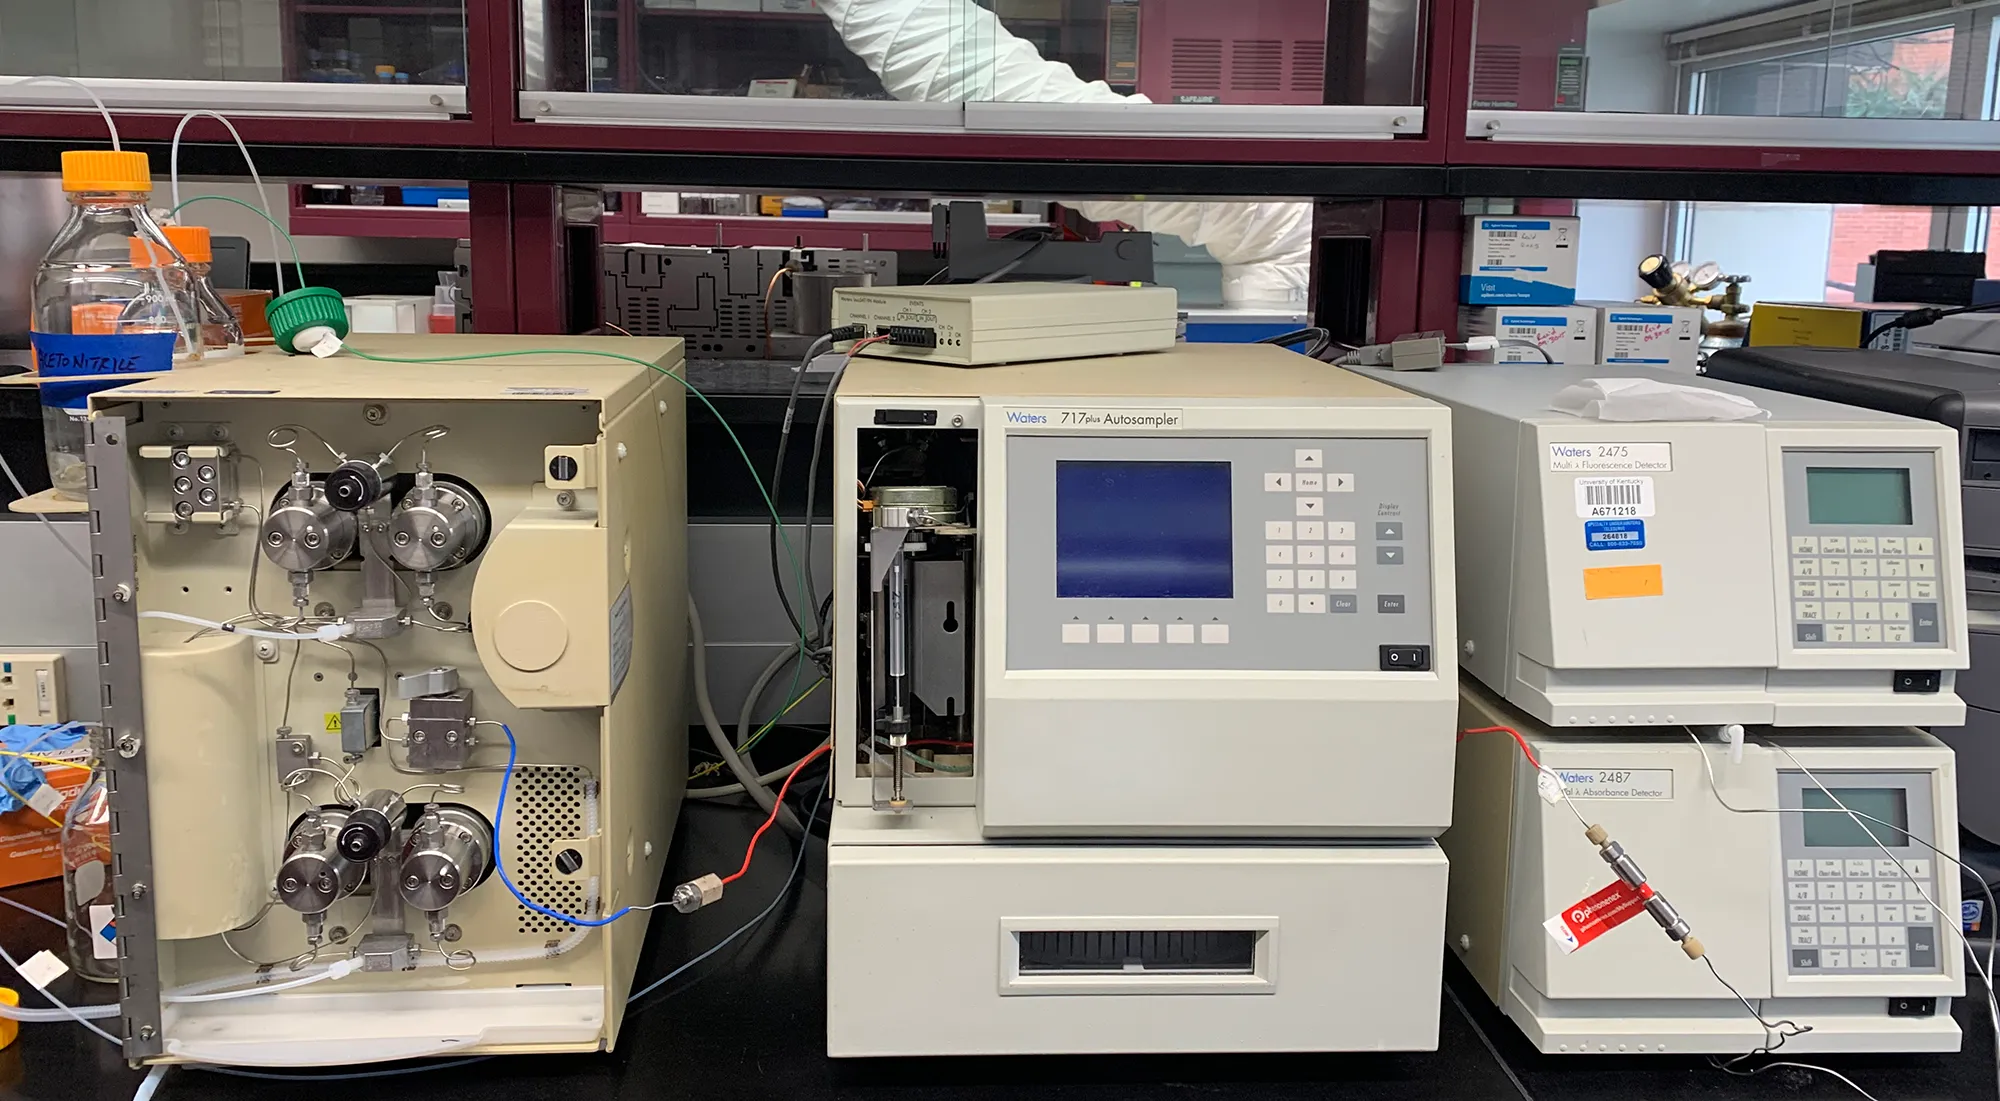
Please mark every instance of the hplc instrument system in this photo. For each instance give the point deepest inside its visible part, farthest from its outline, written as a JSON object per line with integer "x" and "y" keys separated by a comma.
{"x": 1695, "y": 656}
{"x": 1145, "y": 693}
{"x": 394, "y": 663}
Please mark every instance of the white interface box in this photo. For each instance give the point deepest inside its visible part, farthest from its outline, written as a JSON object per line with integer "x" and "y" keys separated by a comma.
{"x": 980, "y": 324}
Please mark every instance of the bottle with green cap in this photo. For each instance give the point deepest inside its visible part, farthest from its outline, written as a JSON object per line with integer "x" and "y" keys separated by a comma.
{"x": 103, "y": 304}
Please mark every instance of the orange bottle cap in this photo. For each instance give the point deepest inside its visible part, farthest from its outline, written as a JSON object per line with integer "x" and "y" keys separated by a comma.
{"x": 191, "y": 242}
{"x": 106, "y": 170}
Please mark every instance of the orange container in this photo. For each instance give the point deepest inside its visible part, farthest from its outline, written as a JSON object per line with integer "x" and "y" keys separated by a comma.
{"x": 30, "y": 844}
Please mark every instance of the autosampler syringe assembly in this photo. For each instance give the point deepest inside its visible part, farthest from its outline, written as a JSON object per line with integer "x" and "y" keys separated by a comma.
{"x": 1144, "y": 701}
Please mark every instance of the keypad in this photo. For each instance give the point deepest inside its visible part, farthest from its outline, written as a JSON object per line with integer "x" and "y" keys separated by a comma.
{"x": 1860, "y": 915}
{"x": 1318, "y": 543}
{"x": 1865, "y": 590}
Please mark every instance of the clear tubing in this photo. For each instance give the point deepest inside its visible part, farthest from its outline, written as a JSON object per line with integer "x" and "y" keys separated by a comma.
{"x": 326, "y": 633}
{"x": 263, "y": 200}
{"x": 54, "y": 1016}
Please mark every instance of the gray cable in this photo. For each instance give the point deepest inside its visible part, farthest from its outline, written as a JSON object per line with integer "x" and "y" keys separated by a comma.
{"x": 738, "y": 767}
{"x": 23, "y": 494}
{"x": 27, "y": 909}
{"x": 776, "y": 775}
{"x": 743, "y": 720}
{"x": 1517, "y": 342}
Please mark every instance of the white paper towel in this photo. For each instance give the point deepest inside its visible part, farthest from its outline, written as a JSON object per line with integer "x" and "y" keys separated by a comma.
{"x": 1643, "y": 399}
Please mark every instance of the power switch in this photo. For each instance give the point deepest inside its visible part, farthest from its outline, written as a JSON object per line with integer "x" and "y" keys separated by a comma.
{"x": 1917, "y": 680}
{"x": 1406, "y": 659}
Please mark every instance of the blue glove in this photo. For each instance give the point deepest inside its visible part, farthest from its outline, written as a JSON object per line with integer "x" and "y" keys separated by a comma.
{"x": 21, "y": 776}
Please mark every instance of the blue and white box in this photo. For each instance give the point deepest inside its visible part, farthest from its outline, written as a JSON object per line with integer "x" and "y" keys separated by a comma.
{"x": 1567, "y": 333}
{"x": 1515, "y": 260}
{"x": 1652, "y": 336}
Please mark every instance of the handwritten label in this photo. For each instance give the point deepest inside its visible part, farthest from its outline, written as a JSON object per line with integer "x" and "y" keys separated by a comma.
{"x": 1097, "y": 418}
{"x": 1610, "y": 458}
{"x": 97, "y": 354}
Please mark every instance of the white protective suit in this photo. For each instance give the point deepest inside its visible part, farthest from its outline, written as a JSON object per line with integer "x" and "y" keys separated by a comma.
{"x": 953, "y": 51}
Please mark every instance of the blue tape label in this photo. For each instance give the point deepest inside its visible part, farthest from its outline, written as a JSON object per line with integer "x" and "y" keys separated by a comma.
{"x": 97, "y": 354}
{"x": 1604, "y": 535}
{"x": 1970, "y": 913}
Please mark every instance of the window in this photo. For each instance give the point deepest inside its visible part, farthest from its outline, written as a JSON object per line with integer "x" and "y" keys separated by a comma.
{"x": 1905, "y": 76}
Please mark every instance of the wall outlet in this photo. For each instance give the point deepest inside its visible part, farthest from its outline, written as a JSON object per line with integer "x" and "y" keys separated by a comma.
{"x": 31, "y": 688}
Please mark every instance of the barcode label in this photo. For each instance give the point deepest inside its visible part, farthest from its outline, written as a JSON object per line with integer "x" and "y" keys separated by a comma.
{"x": 1601, "y": 498}
{"x": 1502, "y": 234}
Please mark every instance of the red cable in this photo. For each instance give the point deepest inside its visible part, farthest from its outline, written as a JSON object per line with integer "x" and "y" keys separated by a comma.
{"x": 775, "y": 808}
{"x": 1518, "y": 740}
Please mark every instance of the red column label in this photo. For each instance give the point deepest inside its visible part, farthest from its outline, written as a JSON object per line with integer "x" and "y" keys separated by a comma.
{"x": 1585, "y": 921}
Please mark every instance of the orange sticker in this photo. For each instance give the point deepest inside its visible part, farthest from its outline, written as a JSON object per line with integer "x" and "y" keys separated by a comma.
{"x": 96, "y": 318}
{"x": 1619, "y": 582}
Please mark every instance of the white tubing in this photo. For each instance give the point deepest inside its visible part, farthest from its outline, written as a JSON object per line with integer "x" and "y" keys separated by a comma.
{"x": 954, "y": 50}
{"x": 326, "y": 633}
{"x": 337, "y": 970}
{"x": 206, "y": 985}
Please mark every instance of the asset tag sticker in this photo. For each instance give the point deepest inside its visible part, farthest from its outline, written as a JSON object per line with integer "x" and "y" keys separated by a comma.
{"x": 1617, "y": 783}
{"x": 1605, "y": 535}
{"x": 1605, "y": 498}
{"x": 1610, "y": 458}
{"x": 1592, "y": 917}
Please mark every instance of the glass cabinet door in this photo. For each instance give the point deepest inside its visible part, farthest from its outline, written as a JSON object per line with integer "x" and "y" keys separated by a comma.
{"x": 1865, "y": 73}
{"x": 1245, "y": 68}
{"x": 389, "y": 57}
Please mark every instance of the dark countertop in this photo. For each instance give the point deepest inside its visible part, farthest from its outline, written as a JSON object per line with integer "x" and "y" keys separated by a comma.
{"x": 750, "y": 1023}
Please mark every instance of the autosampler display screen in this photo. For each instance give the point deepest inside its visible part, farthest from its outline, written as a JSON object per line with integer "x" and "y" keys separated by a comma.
{"x": 1837, "y": 830}
{"x": 1858, "y": 495}
{"x": 1143, "y": 530}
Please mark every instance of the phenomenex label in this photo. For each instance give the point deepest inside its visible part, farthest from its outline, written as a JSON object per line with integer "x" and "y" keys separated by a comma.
{"x": 1610, "y": 457}
{"x": 1099, "y": 419}
{"x": 1606, "y": 498}
{"x": 1617, "y": 783}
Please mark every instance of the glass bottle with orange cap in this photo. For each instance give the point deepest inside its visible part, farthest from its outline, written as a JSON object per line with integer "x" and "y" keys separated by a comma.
{"x": 99, "y": 310}
{"x": 221, "y": 332}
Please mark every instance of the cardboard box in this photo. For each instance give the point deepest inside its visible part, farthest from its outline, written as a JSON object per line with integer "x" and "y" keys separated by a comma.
{"x": 1513, "y": 260}
{"x": 31, "y": 844}
{"x": 1655, "y": 336}
{"x": 1567, "y": 333}
{"x": 1827, "y": 324}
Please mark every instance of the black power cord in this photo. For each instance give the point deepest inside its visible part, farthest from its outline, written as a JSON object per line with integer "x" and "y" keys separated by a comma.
{"x": 1320, "y": 339}
{"x": 1928, "y": 315}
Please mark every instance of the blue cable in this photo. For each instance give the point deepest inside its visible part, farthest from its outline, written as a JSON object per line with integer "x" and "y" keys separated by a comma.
{"x": 499, "y": 809}
{"x": 797, "y": 863}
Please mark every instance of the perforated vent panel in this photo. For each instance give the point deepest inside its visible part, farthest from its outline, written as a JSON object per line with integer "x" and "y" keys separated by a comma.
{"x": 1309, "y": 69}
{"x": 1496, "y": 76}
{"x": 1257, "y": 65}
{"x": 1197, "y": 66}
{"x": 544, "y": 805}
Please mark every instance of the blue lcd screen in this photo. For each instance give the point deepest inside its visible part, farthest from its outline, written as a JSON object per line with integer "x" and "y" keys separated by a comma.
{"x": 1135, "y": 530}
